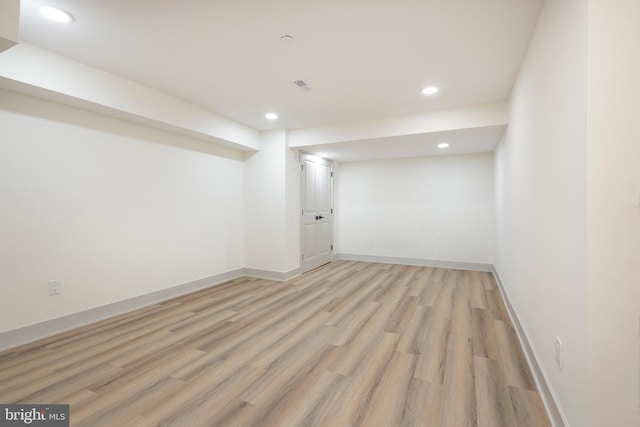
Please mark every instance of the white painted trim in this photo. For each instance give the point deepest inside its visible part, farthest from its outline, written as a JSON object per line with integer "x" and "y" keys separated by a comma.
{"x": 28, "y": 334}
{"x": 549, "y": 399}
{"x": 454, "y": 265}
{"x": 273, "y": 275}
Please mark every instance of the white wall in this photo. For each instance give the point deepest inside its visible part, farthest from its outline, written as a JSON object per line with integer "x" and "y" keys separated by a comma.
{"x": 614, "y": 212}
{"x": 9, "y": 24}
{"x": 292, "y": 210}
{"x": 431, "y": 208}
{"x": 114, "y": 210}
{"x": 541, "y": 182}
{"x": 272, "y": 201}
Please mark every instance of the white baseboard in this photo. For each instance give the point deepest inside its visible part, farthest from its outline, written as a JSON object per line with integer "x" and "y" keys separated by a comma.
{"x": 454, "y": 265}
{"x": 273, "y": 275}
{"x": 31, "y": 333}
{"x": 556, "y": 415}
{"x": 27, "y": 334}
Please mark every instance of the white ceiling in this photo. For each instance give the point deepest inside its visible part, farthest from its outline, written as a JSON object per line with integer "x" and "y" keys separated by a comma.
{"x": 363, "y": 58}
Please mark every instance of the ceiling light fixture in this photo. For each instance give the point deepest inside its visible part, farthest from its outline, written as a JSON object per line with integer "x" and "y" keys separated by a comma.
{"x": 55, "y": 13}
{"x": 430, "y": 90}
{"x": 271, "y": 116}
{"x": 443, "y": 145}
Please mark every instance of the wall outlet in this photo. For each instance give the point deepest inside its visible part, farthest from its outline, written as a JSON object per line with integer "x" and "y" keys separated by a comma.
{"x": 559, "y": 352}
{"x": 55, "y": 287}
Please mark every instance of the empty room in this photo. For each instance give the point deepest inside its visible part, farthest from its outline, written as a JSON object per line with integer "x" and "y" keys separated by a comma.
{"x": 340, "y": 213}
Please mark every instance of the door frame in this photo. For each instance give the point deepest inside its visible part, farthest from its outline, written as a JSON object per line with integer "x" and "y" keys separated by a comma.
{"x": 319, "y": 160}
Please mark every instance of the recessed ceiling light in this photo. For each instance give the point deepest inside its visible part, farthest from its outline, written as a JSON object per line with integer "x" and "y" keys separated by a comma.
{"x": 443, "y": 145}
{"x": 271, "y": 116}
{"x": 429, "y": 90}
{"x": 55, "y": 13}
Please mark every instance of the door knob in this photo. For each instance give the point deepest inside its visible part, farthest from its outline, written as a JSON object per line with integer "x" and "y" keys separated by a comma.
{"x": 319, "y": 217}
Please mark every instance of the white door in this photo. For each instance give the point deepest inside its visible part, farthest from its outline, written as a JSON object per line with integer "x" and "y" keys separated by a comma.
{"x": 317, "y": 212}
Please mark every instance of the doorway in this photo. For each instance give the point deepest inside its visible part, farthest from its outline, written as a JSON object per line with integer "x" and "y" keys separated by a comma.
{"x": 317, "y": 211}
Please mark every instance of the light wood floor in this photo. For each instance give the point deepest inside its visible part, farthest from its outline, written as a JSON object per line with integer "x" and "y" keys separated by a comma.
{"x": 348, "y": 344}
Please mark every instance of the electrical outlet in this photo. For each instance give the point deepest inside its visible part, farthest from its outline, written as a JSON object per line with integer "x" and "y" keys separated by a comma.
{"x": 55, "y": 287}
{"x": 559, "y": 352}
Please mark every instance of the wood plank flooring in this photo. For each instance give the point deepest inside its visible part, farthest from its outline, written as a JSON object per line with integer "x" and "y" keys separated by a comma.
{"x": 348, "y": 344}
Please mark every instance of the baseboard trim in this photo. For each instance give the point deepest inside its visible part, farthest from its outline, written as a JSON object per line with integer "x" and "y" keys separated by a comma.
{"x": 454, "y": 265}
{"x": 549, "y": 399}
{"x": 28, "y": 334}
{"x": 273, "y": 275}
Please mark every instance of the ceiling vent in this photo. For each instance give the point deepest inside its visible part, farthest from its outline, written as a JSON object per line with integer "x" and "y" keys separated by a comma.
{"x": 302, "y": 85}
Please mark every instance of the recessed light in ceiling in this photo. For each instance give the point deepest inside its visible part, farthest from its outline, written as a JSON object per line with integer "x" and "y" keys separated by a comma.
{"x": 443, "y": 145}
{"x": 55, "y": 13}
{"x": 271, "y": 116}
{"x": 429, "y": 90}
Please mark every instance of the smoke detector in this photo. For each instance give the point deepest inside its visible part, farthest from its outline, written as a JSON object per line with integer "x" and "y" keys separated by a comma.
{"x": 302, "y": 85}
{"x": 286, "y": 39}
